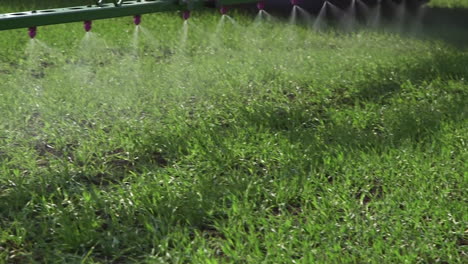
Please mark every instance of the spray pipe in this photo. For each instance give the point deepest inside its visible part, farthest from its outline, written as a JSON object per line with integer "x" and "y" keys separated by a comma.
{"x": 261, "y": 5}
{"x": 137, "y": 20}
{"x": 32, "y": 32}
{"x": 88, "y": 24}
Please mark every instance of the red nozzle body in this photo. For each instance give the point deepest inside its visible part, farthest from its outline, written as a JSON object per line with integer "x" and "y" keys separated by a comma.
{"x": 88, "y": 24}
{"x": 185, "y": 15}
{"x": 261, "y": 5}
{"x": 294, "y": 2}
{"x": 137, "y": 20}
{"x": 32, "y": 32}
{"x": 223, "y": 10}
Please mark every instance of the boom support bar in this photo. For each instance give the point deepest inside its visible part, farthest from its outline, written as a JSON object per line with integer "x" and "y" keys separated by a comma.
{"x": 94, "y": 12}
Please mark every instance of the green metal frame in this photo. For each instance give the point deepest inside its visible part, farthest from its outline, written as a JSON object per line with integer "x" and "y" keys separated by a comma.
{"x": 94, "y": 12}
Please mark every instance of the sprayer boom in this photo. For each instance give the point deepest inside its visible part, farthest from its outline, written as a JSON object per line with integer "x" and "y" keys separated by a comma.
{"x": 136, "y": 8}
{"x": 92, "y": 12}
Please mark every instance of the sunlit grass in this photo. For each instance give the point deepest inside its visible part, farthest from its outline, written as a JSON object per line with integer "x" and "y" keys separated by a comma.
{"x": 449, "y": 3}
{"x": 266, "y": 143}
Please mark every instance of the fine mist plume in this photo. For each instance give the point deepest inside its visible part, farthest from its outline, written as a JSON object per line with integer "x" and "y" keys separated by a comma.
{"x": 320, "y": 23}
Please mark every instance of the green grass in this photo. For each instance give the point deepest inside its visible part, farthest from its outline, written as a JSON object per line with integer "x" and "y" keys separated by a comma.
{"x": 449, "y": 3}
{"x": 267, "y": 144}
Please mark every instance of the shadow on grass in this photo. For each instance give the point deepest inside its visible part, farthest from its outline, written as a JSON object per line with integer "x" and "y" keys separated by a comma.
{"x": 416, "y": 119}
{"x": 447, "y": 24}
{"x": 412, "y": 121}
{"x": 443, "y": 66}
{"x": 158, "y": 212}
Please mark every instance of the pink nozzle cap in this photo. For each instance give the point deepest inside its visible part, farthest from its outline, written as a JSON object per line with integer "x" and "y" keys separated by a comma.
{"x": 32, "y": 32}
{"x": 137, "y": 20}
{"x": 294, "y": 2}
{"x": 223, "y": 10}
{"x": 186, "y": 14}
{"x": 88, "y": 25}
{"x": 261, "y": 5}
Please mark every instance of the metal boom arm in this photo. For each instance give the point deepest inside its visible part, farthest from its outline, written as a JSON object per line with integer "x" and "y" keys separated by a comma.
{"x": 94, "y": 12}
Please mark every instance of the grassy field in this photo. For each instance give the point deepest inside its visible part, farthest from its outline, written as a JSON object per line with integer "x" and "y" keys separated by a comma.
{"x": 449, "y": 3}
{"x": 247, "y": 143}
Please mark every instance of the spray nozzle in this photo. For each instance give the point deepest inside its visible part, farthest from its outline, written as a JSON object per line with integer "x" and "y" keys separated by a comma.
{"x": 32, "y": 32}
{"x": 223, "y": 10}
{"x": 185, "y": 15}
{"x": 261, "y": 5}
{"x": 88, "y": 24}
{"x": 137, "y": 20}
